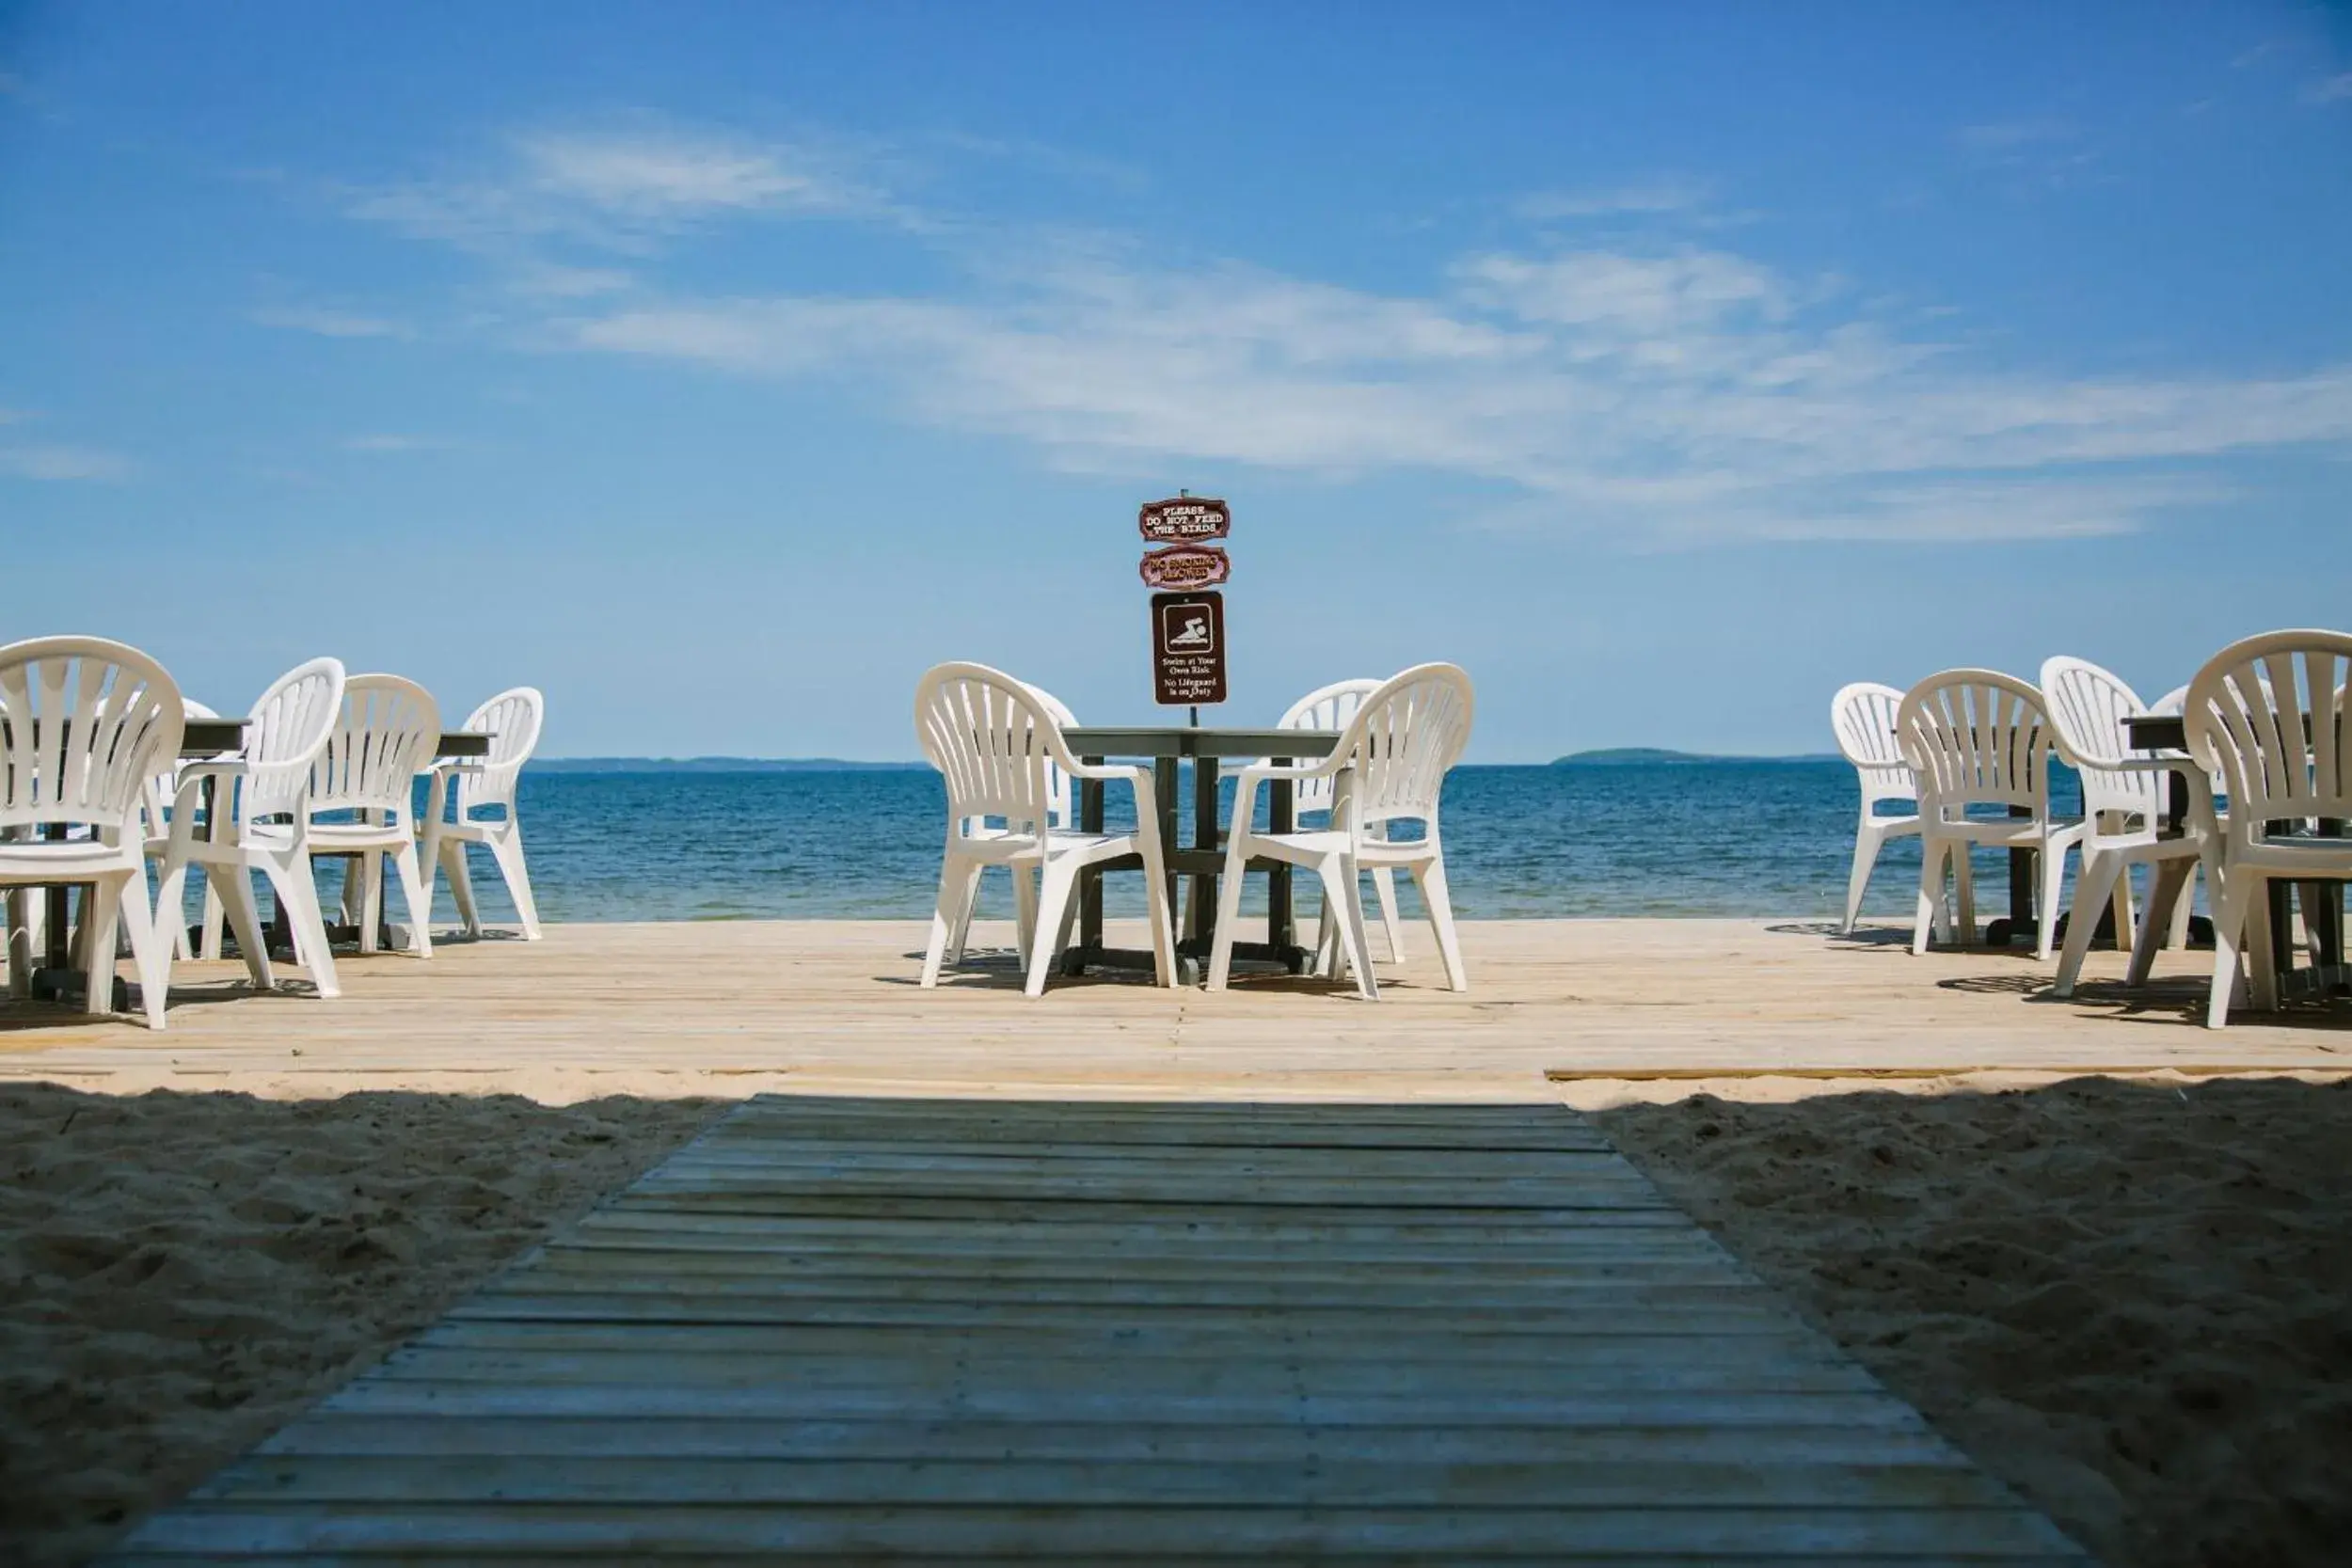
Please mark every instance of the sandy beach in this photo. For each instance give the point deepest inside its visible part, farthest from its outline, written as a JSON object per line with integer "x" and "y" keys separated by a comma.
{"x": 2130, "y": 1295}
{"x": 2131, "y": 1300}
{"x": 183, "y": 1272}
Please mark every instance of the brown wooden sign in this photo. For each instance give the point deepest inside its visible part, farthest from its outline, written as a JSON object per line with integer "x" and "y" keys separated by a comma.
{"x": 1180, "y": 566}
{"x": 1184, "y": 520}
{"x": 1187, "y": 648}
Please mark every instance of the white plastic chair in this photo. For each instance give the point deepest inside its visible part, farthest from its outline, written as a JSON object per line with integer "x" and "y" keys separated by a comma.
{"x": 1390, "y": 763}
{"x": 386, "y": 734}
{"x": 1060, "y": 815}
{"x": 1862, "y": 717}
{"x": 512, "y": 719}
{"x": 2271, "y": 714}
{"x": 260, "y": 821}
{"x": 87, "y": 722}
{"x": 1976, "y": 738}
{"x": 1331, "y": 707}
{"x": 2124, "y": 799}
{"x": 996, "y": 744}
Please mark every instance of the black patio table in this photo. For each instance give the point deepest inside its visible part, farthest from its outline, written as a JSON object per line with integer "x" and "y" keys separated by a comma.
{"x": 1203, "y": 859}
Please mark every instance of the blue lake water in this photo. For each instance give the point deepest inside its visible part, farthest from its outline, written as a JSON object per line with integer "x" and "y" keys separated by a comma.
{"x": 1695, "y": 839}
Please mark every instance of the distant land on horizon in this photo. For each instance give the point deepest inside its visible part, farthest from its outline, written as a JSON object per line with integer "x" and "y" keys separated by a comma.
{"x": 1651, "y": 756}
{"x": 715, "y": 765}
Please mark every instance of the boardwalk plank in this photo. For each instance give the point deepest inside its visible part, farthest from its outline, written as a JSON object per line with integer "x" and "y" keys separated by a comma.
{"x": 958, "y": 1332}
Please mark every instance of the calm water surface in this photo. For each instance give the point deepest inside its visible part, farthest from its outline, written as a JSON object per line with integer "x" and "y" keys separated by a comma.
{"x": 1698, "y": 839}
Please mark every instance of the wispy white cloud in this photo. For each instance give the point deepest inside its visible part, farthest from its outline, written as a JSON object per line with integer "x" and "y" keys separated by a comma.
{"x": 62, "y": 463}
{"x": 326, "y": 323}
{"x": 1679, "y": 395}
{"x": 1652, "y": 392}
{"x": 622, "y": 190}
{"x": 2329, "y": 90}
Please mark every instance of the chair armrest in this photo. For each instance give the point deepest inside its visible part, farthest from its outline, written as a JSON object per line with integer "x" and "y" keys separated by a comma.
{"x": 193, "y": 776}
{"x": 1108, "y": 771}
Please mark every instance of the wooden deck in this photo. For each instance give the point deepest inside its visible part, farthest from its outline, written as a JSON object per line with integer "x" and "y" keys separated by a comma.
{"x": 824, "y": 1007}
{"x": 846, "y": 1329}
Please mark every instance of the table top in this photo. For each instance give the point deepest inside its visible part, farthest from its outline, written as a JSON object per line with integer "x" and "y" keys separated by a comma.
{"x": 2157, "y": 732}
{"x": 1182, "y": 741}
{"x": 212, "y": 737}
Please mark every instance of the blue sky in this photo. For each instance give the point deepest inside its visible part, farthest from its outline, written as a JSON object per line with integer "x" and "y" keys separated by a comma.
{"x": 719, "y": 368}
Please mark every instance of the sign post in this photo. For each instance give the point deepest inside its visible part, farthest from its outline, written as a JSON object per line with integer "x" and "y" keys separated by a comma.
{"x": 1187, "y": 624}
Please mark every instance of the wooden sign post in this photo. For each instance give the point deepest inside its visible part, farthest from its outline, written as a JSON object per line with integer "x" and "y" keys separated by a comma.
{"x": 1187, "y": 625}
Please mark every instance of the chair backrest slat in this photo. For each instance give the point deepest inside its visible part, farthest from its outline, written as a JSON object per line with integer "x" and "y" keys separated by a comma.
{"x": 1976, "y": 738}
{"x": 512, "y": 719}
{"x": 1862, "y": 716}
{"x": 1329, "y": 708}
{"x": 987, "y": 734}
{"x": 2268, "y": 714}
{"x": 383, "y": 735}
{"x": 85, "y": 723}
{"x": 1406, "y": 735}
{"x": 2087, "y": 706}
{"x": 288, "y": 727}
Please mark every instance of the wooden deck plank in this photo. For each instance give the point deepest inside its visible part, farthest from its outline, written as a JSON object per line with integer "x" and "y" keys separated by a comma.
{"x": 1160, "y": 1339}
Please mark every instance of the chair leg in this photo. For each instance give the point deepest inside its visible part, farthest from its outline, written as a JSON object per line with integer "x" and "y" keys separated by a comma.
{"x": 507, "y": 849}
{"x": 955, "y": 883}
{"x": 2262, "y": 972}
{"x": 451, "y": 852}
{"x": 2167, "y": 893}
{"x": 228, "y": 889}
{"x": 1866, "y": 841}
{"x": 2228, "y": 928}
{"x": 2052, "y": 869}
{"x": 298, "y": 895}
{"x": 2186, "y": 904}
{"x": 365, "y": 908}
{"x": 210, "y": 945}
{"x": 20, "y": 937}
{"x": 419, "y": 894}
{"x": 1925, "y": 916}
{"x": 1384, "y": 886}
{"x": 1430, "y": 879}
{"x": 1228, "y": 916}
{"x": 1055, "y": 880}
{"x": 151, "y": 953}
{"x": 1023, "y": 913}
{"x": 1340, "y": 886}
{"x": 100, "y": 917}
{"x": 2092, "y": 890}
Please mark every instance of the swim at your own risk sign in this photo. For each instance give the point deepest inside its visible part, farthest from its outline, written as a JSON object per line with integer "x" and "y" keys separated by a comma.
{"x": 1188, "y": 628}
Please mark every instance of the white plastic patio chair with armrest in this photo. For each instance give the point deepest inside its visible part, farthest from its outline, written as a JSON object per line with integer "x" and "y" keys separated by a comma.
{"x": 992, "y": 740}
{"x": 2270, "y": 713}
{"x": 512, "y": 719}
{"x": 1862, "y": 716}
{"x": 85, "y": 723}
{"x": 385, "y": 735}
{"x": 1024, "y": 882}
{"x": 1977, "y": 737}
{"x": 260, "y": 821}
{"x": 1331, "y": 707}
{"x": 2123, "y": 800}
{"x": 1389, "y": 764}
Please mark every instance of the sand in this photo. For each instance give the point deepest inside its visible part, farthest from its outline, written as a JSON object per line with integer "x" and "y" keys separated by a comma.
{"x": 2132, "y": 1300}
{"x": 182, "y": 1273}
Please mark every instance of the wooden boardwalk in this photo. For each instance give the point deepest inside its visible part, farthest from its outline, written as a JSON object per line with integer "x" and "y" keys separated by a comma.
{"x": 854, "y": 1328}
